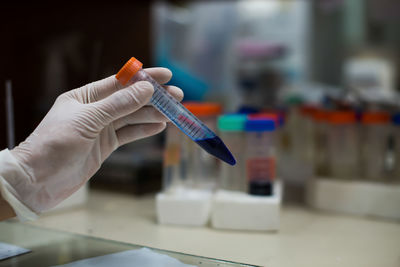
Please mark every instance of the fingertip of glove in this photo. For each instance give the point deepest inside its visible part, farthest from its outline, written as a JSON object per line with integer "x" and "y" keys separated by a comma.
{"x": 163, "y": 125}
{"x": 143, "y": 85}
{"x": 166, "y": 71}
{"x": 143, "y": 88}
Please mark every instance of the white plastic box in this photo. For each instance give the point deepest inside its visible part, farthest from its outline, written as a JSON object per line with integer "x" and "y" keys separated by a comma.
{"x": 355, "y": 197}
{"x": 240, "y": 211}
{"x": 189, "y": 207}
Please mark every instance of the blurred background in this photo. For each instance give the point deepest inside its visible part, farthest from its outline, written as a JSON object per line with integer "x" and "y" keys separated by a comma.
{"x": 283, "y": 56}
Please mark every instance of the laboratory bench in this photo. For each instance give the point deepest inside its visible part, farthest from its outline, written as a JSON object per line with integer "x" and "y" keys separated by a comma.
{"x": 306, "y": 237}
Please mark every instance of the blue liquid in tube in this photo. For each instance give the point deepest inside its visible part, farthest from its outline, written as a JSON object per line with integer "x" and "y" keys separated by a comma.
{"x": 216, "y": 147}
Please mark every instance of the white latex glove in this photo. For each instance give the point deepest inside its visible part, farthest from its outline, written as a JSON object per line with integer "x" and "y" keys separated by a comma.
{"x": 79, "y": 132}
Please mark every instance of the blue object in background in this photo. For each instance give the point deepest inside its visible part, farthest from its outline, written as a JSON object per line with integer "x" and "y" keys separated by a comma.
{"x": 193, "y": 87}
{"x": 259, "y": 125}
{"x": 396, "y": 119}
{"x": 248, "y": 110}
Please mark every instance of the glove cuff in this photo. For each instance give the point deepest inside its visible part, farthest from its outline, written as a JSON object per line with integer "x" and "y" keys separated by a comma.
{"x": 10, "y": 168}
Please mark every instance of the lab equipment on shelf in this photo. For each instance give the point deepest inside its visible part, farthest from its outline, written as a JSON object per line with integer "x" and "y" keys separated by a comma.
{"x": 132, "y": 72}
{"x": 360, "y": 157}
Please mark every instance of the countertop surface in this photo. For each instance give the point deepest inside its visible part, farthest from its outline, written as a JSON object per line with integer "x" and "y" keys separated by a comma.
{"x": 306, "y": 238}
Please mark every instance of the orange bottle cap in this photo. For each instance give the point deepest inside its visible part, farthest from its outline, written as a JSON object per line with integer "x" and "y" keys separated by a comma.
{"x": 308, "y": 110}
{"x": 342, "y": 117}
{"x": 128, "y": 70}
{"x": 375, "y": 117}
{"x": 203, "y": 108}
{"x": 320, "y": 115}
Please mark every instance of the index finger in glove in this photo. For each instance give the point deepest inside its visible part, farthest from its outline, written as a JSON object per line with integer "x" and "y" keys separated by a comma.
{"x": 121, "y": 103}
{"x": 148, "y": 114}
{"x": 101, "y": 89}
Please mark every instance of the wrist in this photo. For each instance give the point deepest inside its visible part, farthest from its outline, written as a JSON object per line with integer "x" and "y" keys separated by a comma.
{"x": 6, "y": 211}
{"x": 12, "y": 175}
{"x": 24, "y": 159}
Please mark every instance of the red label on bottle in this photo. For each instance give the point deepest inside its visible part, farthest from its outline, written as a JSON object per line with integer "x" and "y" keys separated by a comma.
{"x": 261, "y": 169}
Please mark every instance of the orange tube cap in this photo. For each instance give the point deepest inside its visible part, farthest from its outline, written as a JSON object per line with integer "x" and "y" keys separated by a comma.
{"x": 128, "y": 70}
{"x": 342, "y": 117}
{"x": 375, "y": 117}
{"x": 203, "y": 108}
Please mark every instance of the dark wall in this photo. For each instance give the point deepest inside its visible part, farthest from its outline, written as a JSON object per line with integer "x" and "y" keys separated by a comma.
{"x": 87, "y": 41}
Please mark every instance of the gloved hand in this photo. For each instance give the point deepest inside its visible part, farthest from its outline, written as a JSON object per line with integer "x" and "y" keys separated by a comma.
{"x": 79, "y": 132}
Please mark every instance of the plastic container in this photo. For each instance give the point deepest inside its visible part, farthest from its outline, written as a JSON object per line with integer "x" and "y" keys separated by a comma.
{"x": 278, "y": 117}
{"x": 231, "y": 129}
{"x": 202, "y": 168}
{"x": 306, "y": 129}
{"x": 374, "y": 145}
{"x": 321, "y": 160}
{"x": 260, "y": 155}
{"x": 291, "y": 121}
{"x": 343, "y": 144}
{"x": 396, "y": 137}
{"x": 295, "y": 162}
{"x": 174, "y": 164}
{"x": 300, "y": 130}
